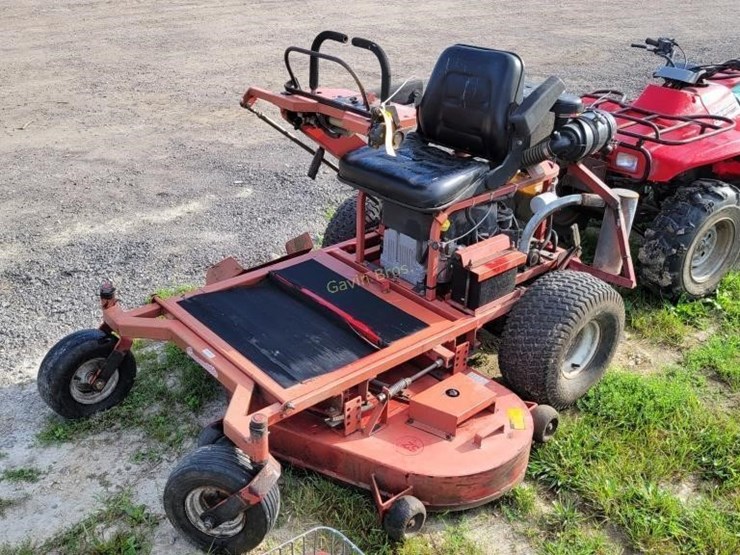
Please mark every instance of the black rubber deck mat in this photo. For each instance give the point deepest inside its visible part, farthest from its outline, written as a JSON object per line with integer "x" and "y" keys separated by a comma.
{"x": 290, "y": 339}
{"x": 386, "y": 320}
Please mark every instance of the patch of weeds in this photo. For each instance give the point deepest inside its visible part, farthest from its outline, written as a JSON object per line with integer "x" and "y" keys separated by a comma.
{"x": 6, "y": 504}
{"x": 169, "y": 292}
{"x": 655, "y": 320}
{"x": 634, "y": 434}
{"x": 169, "y": 389}
{"x": 122, "y": 527}
{"x": 720, "y": 354}
{"x": 329, "y": 213}
{"x": 3, "y": 455}
{"x": 453, "y": 540}
{"x": 17, "y": 475}
{"x": 728, "y": 299}
{"x": 24, "y": 549}
{"x": 313, "y": 499}
{"x": 147, "y": 455}
{"x": 197, "y": 387}
{"x": 578, "y": 541}
{"x": 669, "y": 323}
{"x": 519, "y": 502}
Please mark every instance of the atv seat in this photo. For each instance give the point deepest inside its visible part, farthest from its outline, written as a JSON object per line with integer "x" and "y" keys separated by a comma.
{"x": 472, "y": 105}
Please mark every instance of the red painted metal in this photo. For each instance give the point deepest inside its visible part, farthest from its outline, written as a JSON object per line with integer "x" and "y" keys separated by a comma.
{"x": 451, "y": 450}
{"x": 671, "y": 130}
{"x": 446, "y": 474}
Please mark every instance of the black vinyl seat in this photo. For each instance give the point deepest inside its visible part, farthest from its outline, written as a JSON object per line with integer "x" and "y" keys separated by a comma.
{"x": 466, "y": 108}
{"x": 420, "y": 175}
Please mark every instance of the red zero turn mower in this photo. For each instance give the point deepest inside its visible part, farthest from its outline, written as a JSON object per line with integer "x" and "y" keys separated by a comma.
{"x": 352, "y": 360}
{"x": 679, "y": 147}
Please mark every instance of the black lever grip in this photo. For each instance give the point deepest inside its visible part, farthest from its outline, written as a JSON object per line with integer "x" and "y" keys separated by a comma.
{"x": 313, "y": 66}
{"x": 651, "y": 42}
{"x": 385, "y": 65}
{"x": 633, "y": 45}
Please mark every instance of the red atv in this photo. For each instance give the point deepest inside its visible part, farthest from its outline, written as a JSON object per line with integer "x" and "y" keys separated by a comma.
{"x": 679, "y": 147}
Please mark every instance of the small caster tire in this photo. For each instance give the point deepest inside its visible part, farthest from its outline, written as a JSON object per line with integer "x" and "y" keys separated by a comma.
{"x": 213, "y": 434}
{"x": 204, "y": 478}
{"x": 63, "y": 381}
{"x": 546, "y": 420}
{"x": 405, "y": 518}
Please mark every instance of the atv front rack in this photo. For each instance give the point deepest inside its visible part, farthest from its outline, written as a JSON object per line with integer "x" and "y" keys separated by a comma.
{"x": 660, "y": 128}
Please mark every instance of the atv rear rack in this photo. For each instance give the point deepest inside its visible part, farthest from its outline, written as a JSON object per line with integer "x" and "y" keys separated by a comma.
{"x": 660, "y": 126}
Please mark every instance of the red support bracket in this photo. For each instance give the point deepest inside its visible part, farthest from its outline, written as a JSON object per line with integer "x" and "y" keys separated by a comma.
{"x": 381, "y": 505}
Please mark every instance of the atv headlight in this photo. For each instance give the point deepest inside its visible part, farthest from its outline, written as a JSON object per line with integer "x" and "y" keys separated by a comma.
{"x": 627, "y": 162}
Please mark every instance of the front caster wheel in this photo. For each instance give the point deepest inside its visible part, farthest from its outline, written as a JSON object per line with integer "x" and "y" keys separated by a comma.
{"x": 546, "y": 420}
{"x": 64, "y": 378}
{"x": 213, "y": 434}
{"x": 405, "y": 518}
{"x": 203, "y": 479}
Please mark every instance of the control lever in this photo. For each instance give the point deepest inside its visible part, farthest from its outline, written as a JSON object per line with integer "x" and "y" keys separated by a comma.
{"x": 318, "y": 157}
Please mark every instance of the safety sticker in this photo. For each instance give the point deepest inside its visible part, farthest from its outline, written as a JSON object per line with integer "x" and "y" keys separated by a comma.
{"x": 205, "y": 365}
{"x": 516, "y": 418}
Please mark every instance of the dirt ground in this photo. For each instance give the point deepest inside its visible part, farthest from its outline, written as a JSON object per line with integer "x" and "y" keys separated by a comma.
{"x": 124, "y": 154}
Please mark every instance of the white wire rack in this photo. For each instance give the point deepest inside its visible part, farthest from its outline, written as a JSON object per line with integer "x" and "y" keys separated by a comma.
{"x": 317, "y": 541}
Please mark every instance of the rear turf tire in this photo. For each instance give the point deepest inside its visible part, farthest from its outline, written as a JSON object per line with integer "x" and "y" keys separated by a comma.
{"x": 560, "y": 337}
{"x": 694, "y": 241}
{"x": 204, "y": 478}
{"x": 342, "y": 225}
{"x": 62, "y": 375}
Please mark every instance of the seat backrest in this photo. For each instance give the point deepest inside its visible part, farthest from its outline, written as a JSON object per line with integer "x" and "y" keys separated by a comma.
{"x": 468, "y": 100}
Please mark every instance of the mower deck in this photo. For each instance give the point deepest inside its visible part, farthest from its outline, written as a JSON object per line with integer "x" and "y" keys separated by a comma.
{"x": 486, "y": 456}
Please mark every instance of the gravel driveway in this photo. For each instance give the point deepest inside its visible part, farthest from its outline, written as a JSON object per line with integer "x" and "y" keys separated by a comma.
{"x": 124, "y": 153}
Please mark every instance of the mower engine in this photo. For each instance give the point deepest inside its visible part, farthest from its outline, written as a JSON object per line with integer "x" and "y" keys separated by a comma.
{"x": 570, "y": 134}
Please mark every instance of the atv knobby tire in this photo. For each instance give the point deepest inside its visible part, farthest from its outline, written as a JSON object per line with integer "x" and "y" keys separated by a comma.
{"x": 560, "y": 337}
{"x": 342, "y": 225}
{"x": 694, "y": 241}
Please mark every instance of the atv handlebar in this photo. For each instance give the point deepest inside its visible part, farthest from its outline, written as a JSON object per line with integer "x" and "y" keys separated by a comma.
{"x": 661, "y": 46}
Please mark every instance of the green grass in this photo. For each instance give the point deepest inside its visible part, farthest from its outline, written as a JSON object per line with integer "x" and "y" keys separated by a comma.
{"x": 720, "y": 354}
{"x": 307, "y": 497}
{"x": 169, "y": 292}
{"x": 17, "y": 475}
{"x": 519, "y": 503}
{"x": 122, "y": 527}
{"x": 329, "y": 213}
{"x": 170, "y": 388}
{"x": 633, "y": 440}
{"x": 453, "y": 540}
{"x": 670, "y": 324}
{"x": 310, "y": 499}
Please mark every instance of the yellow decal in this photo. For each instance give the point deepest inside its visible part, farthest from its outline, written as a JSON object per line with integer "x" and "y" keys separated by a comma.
{"x": 516, "y": 418}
